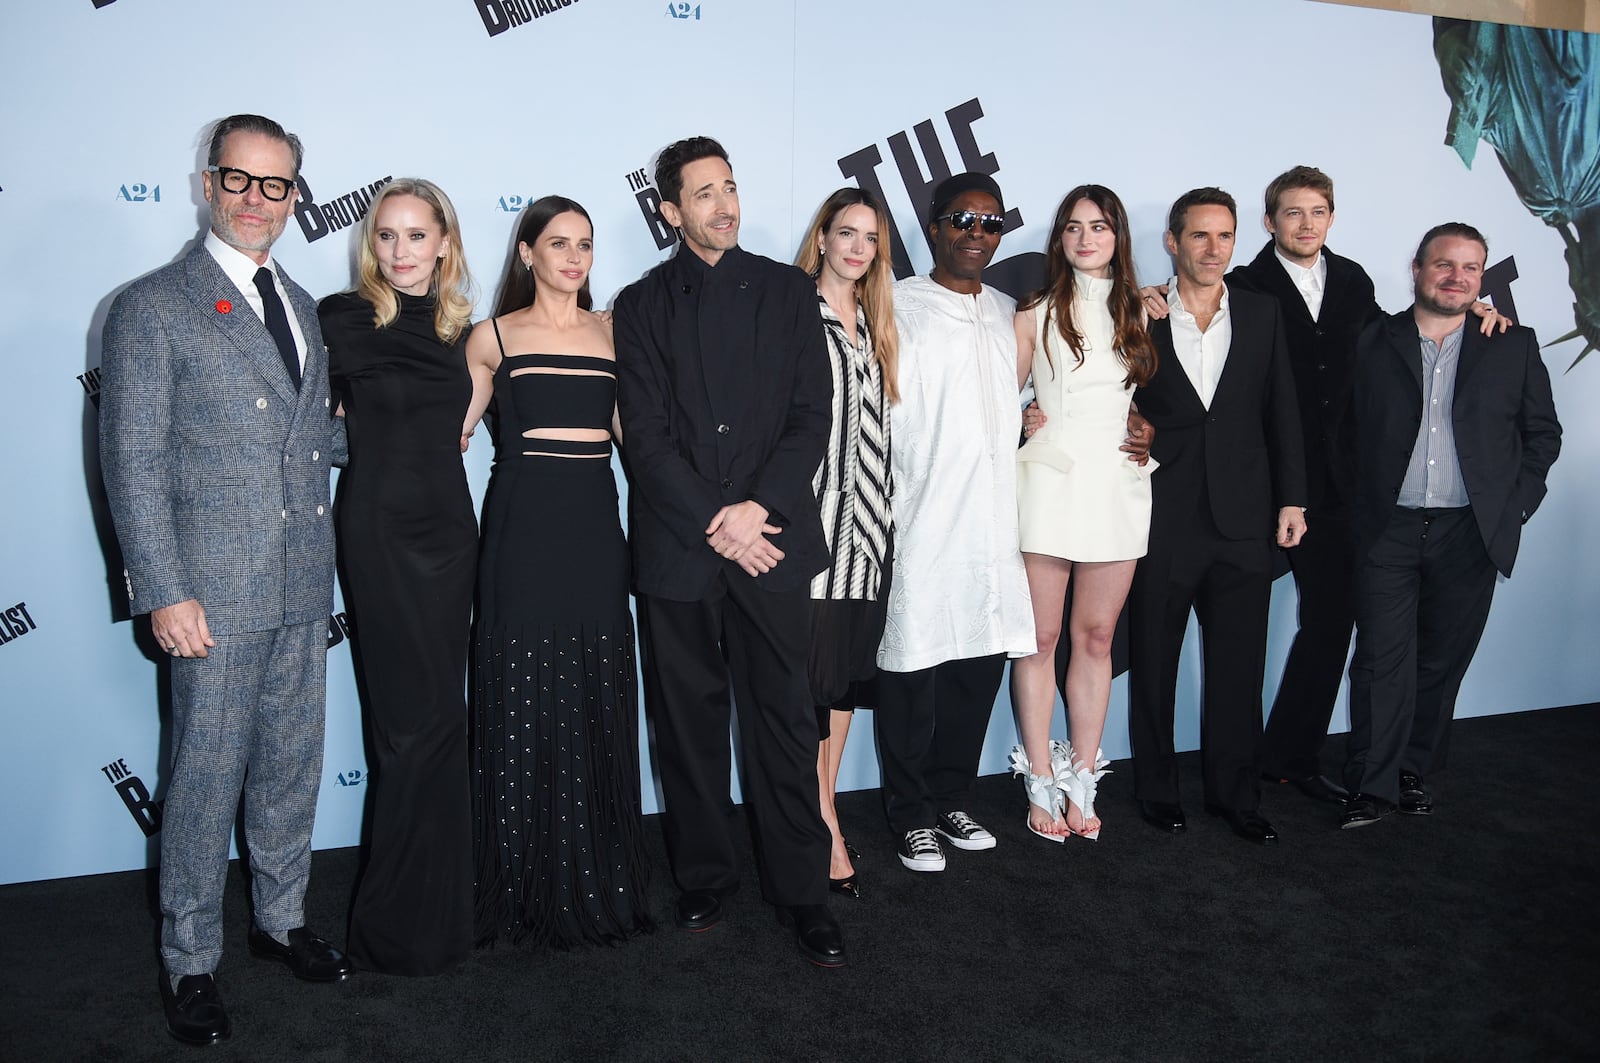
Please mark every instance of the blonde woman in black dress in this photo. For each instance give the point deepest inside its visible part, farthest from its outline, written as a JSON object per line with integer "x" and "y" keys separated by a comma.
{"x": 407, "y": 550}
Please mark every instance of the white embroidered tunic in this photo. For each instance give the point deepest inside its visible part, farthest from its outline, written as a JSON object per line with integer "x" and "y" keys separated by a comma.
{"x": 958, "y": 589}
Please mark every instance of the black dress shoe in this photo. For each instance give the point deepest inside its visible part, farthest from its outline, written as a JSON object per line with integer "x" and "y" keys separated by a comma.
{"x": 817, "y": 933}
{"x": 698, "y": 910}
{"x": 847, "y": 886}
{"x": 195, "y": 1014}
{"x": 1321, "y": 788}
{"x": 311, "y": 958}
{"x": 1163, "y": 816}
{"x": 1363, "y": 809}
{"x": 1252, "y": 826}
{"x": 1414, "y": 797}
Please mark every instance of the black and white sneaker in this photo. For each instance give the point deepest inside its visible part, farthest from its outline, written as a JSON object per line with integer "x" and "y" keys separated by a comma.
{"x": 919, "y": 851}
{"x": 963, "y": 832}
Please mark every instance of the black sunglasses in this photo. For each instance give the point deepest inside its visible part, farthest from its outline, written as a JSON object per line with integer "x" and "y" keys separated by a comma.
{"x": 964, "y": 219}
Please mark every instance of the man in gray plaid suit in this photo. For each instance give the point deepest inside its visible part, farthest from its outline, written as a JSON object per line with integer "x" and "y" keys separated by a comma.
{"x": 215, "y": 442}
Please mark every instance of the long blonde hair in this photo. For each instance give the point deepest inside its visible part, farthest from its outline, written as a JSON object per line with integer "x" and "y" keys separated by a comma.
{"x": 874, "y": 289}
{"x": 452, "y": 283}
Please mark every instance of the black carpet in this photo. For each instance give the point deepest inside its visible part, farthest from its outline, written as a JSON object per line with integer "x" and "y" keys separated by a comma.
{"x": 1472, "y": 934}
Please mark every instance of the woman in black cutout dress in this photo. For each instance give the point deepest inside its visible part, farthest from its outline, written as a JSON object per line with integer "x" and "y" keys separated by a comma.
{"x": 555, "y": 770}
{"x": 407, "y": 550}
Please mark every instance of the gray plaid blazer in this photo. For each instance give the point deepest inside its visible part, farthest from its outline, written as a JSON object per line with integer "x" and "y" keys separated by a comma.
{"x": 215, "y": 467}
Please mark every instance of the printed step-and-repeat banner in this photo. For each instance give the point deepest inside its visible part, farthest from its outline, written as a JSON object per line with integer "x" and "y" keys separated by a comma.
{"x": 502, "y": 101}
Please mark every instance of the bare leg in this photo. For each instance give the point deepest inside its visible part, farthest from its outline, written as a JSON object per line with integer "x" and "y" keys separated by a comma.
{"x": 1096, "y": 603}
{"x": 829, "y": 754}
{"x": 1034, "y": 678}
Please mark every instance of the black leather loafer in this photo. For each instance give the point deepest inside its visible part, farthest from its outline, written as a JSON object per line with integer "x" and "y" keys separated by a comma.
{"x": 1162, "y": 816}
{"x": 1364, "y": 809}
{"x": 311, "y": 958}
{"x": 1414, "y": 797}
{"x": 195, "y": 1014}
{"x": 1321, "y": 788}
{"x": 698, "y": 910}
{"x": 816, "y": 932}
{"x": 1252, "y": 826}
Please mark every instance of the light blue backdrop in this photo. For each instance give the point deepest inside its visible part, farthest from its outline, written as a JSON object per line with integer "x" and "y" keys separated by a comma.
{"x": 105, "y": 111}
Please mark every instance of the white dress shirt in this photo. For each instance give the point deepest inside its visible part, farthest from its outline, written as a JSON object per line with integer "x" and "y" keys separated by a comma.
{"x": 1310, "y": 280}
{"x": 1202, "y": 354}
{"x": 241, "y": 270}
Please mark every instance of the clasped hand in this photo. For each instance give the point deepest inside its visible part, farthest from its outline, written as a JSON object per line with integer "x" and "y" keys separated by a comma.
{"x": 739, "y": 533}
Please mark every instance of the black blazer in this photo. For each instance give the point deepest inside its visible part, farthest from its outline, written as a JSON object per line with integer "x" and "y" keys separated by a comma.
{"x": 1321, "y": 356}
{"x": 1504, "y": 417}
{"x": 724, "y": 393}
{"x": 1243, "y": 459}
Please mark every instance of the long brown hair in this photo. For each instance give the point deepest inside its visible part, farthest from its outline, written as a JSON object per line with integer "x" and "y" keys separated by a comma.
{"x": 517, "y": 288}
{"x": 1131, "y": 339}
{"x": 874, "y": 289}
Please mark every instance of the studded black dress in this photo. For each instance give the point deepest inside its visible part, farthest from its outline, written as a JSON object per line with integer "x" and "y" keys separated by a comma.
{"x": 556, "y": 813}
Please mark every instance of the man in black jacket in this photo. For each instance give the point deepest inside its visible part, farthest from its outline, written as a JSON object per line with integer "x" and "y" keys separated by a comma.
{"x": 1232, "y": 482}
{"x": 1326, "y": 301}
{"x": 1454, "y": 433}
{"x": 724, "y": 396}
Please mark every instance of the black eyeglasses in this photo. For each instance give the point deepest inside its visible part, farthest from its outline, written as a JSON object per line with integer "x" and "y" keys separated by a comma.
{"x": 238, "y": 182}
{"x": 965, "y": 219}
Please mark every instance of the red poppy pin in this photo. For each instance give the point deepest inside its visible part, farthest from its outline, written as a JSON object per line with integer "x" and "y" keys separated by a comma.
{"x": 224, "y": 307}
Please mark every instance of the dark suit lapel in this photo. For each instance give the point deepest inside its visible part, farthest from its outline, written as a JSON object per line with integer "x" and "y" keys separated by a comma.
{"x": 1405, "y": 343}
{"x": 209, "y": 286}
{"x": 1245, "y": 340}
{"x": 1335, "y": 286}
{"x": 1474, "y": 345}
{"x": 1274, "y": 280}
{"x": 1173, "y": 374}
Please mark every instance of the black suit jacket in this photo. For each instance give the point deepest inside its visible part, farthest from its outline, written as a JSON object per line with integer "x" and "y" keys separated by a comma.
{"x": 1242, "y": 459}
{"x": 1321, "y": 356}
{"x": 724, "y": 392}
{"x": 1504, "y": 417}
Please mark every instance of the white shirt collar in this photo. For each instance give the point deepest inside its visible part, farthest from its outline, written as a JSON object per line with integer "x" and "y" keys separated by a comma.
{"x": 1176, "y": 303}
{"x": 1316, "y": 273}
{"x": 240, "y": 267}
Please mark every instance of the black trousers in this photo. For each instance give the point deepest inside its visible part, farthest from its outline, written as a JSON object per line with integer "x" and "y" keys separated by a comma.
{"x": 930, "y": 726}
{"x": 1228, "y": 583}
{"x": 760, "y": 639}
{"x": 1423, "y": 594}
{"x": 1324, "y": 574}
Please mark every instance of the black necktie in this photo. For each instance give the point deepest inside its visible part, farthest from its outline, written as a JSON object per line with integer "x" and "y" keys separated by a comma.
{"x": 278, "y": 323}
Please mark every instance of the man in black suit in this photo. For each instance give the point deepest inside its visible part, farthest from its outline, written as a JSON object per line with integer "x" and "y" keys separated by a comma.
{"x": 1232, "y": 480}
{"x": 1326, "y": 300}
{"x": 724, "y": 396}
{"x": 1454, "y": 432}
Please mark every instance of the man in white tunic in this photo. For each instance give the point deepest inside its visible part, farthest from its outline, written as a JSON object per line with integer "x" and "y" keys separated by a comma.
{"x": 959, "y": 604}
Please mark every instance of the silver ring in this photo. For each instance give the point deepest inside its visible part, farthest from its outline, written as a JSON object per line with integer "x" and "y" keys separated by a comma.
{"x": 173, "y": 650}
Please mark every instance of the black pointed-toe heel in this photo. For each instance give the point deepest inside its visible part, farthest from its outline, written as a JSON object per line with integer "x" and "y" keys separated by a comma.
{"x": 847, "y": 886}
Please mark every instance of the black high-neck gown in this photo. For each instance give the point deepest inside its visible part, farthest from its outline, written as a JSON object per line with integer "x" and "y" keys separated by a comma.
{"x": 407, "y": 553}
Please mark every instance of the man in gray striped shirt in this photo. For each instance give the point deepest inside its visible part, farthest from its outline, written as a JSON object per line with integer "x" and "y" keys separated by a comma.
{"x": 1454, "y": 432}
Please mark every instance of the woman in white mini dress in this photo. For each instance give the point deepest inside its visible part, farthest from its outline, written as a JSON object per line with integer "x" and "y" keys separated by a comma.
{"x": 1083, "y": 507}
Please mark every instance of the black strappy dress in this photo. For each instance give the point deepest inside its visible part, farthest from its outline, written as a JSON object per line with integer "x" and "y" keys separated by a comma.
{"x": 556, "y": 812}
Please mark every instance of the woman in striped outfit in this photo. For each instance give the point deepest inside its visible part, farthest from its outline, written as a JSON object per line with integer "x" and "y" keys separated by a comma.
{"x": 854, "y": 284}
